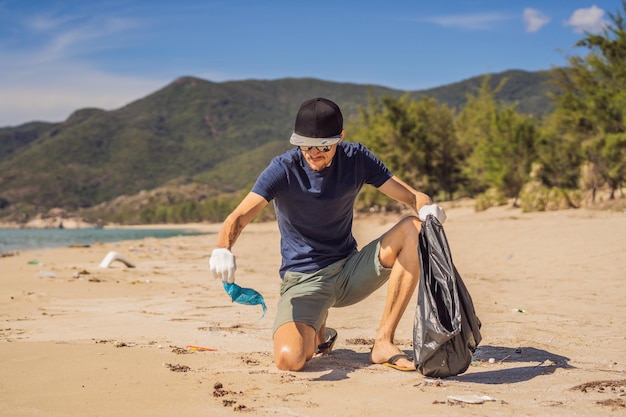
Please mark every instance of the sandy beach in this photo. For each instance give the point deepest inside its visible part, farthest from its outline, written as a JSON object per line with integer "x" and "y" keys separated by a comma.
{"x": 549, "y": 288}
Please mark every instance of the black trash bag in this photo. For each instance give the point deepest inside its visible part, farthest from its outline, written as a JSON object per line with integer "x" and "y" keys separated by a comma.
{"x": 446, "y": 330}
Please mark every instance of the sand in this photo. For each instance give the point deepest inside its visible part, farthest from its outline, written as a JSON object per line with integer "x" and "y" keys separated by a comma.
{"x": 548, "y": 287}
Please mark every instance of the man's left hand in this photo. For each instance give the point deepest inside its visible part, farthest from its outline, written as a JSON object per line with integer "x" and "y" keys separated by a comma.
{"x": 432, "y": 210}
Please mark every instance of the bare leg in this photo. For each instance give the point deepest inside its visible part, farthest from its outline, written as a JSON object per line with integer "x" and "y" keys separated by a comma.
{"x": 294, "y": 344}
{"x": 398, "y": 251}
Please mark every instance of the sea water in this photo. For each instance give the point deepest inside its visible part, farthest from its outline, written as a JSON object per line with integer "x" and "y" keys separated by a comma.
{"x": 27, "y": 239}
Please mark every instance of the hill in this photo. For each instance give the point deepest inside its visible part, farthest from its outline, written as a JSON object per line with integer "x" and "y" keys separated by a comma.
{"x": 190, "y": 131}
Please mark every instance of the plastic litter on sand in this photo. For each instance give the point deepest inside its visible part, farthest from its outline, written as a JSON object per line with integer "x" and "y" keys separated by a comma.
{"x": 245, "y": 296}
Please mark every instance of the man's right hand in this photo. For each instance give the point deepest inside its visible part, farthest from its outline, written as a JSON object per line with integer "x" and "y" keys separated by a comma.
{"x": 222, "y": 264}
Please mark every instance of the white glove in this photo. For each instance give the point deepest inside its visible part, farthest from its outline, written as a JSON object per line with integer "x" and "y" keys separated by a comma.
{"x": 222, "y": 264}
{"x": 432, "y": 210}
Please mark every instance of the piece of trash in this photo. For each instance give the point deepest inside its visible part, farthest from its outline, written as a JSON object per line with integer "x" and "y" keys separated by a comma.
{"x": 492, "y": 360}
{"x": 77, "y": 274}
{"x": 433, "y": 381}
{"x": 518, "y": 310}
{"x": 245, "y": 296}
{"x": 200, "y": 348}
{"x": 470, "y": 399}
{"x": 47, "y": 274}
{"x": 177, "y": 367}
{"x": 114, "y": 256}
{"x": 33, "y": 262}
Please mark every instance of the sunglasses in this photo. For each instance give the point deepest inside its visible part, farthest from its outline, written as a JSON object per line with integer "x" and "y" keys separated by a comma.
{"x": 323, "y": 149}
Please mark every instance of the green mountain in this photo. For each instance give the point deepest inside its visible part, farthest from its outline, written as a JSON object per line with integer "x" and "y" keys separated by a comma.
{"x": 191, "y": 131}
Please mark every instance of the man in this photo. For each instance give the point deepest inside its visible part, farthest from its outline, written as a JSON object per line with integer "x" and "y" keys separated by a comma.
{"x": 314, "y": 187}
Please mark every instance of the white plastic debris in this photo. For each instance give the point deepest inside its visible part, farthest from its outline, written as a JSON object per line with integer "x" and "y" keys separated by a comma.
{"x": 47, "y": 274}
{"x": 114, "y": 256}
{"x": 470, "y": 399}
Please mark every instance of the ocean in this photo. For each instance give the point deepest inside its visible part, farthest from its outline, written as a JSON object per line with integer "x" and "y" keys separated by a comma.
{"x": 27, "y": 239}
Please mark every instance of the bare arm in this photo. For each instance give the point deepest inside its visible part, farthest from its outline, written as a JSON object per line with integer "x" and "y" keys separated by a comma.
{"x": 236, "y": 221}
{"x": 397, "y": 189}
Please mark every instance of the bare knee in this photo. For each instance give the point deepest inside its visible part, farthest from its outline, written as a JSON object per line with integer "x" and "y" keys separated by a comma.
{"x": 293, "y": 345}
{"x": 404, "y": 235}
{"x": 411, "y": 227}
{"x": 405, "y": 232}
{"x": 288, "y": 360}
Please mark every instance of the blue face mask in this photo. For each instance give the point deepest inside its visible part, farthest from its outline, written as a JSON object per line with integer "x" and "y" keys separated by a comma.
{"x": 245, "y": 296}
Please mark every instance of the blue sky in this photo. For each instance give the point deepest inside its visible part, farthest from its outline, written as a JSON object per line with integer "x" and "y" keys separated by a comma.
{"x": 60, "y": 56}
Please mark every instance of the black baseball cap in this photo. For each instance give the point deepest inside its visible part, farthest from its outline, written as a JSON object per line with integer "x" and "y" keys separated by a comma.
{"x": 318, "y": 122}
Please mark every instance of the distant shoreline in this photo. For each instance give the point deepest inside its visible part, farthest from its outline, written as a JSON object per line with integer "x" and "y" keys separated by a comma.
{"x": 25, "y": 239}
{"x": 202, "y": 227}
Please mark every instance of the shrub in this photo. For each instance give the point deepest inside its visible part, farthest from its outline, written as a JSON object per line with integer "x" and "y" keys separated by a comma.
{"x": 490, "y": 198}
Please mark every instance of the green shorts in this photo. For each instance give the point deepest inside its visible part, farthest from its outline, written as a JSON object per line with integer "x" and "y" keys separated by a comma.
{"x": 306, "y": 297}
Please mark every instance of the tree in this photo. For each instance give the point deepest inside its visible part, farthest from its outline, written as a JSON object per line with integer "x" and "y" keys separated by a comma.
{"x": 498, "y": 141}
{"x": 446, "y": 154}
{"x": 591, "y": 105}
{"x": 415, "y": 139}
{"x": 559, "y": 154}
{"x": 514, "y": 152}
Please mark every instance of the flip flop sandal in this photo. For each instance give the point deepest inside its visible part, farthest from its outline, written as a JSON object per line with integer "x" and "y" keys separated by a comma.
{"x": 391, "y": 362}
{"x": 330, "y": 335}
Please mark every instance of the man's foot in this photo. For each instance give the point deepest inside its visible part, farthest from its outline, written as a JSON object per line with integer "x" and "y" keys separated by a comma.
{"x": 325, "y": 345}
{"x": 391, "y": 356}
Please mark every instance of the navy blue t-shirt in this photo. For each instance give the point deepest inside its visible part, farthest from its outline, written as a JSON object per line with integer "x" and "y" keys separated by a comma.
{"x": 314, "y": 209}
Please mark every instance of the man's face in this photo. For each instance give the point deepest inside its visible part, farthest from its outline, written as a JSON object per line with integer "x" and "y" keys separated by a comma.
{"x": 316, "y": 159}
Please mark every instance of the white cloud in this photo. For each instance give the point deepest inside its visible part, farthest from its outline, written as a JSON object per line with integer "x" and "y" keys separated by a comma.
{"x": 72, "y": 37}
{"x": 587, "y": 20}
{"x": 534, "y": 20}
{"x": 44, "y": 75}
{"x": 53, "y": 92}
{"x": 44, "y": 23}
{"x": 471, "y": 21}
